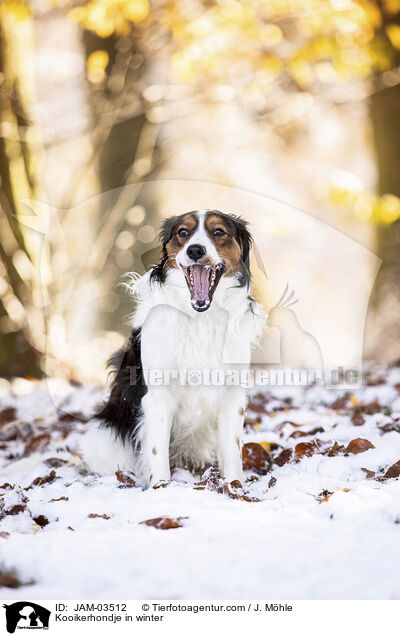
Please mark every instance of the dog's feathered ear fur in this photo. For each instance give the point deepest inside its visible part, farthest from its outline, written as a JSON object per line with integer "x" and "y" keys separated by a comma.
{"x": 166, "y": 231}
{"x": 244, "y": 238}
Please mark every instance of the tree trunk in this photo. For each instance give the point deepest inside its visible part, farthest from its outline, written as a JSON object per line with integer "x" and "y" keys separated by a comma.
{"x": 383, "y": 331}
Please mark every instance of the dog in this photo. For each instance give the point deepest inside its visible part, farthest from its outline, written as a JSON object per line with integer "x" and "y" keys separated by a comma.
{"x": 194, "y": 313}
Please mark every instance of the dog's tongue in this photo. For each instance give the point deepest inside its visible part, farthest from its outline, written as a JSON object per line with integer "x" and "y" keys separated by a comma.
{"x": 201, "y": 283}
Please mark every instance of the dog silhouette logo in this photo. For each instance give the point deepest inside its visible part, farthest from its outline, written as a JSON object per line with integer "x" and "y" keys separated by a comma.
{"x": 298, "y": 348}
{"x": 26, "y": 615}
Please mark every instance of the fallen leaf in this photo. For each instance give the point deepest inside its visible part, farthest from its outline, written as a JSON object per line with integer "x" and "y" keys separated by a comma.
{"x": 60, "y": 499}
{"x": 212, "y": 480}
{"x": 8, "y": 432}
{"x": 4, "y": 534}
{"x": 9, "y": 580}
{"x": 272, "y": 482}
{"x": 296, "y": 434}
{"x": 255, "y": 457}
{"x": 340, "y": 403}
{"x": 392, "y": 472}
{"x": 94, "y": 515}
{"x": 234, "y": 490}
{"x": 15, "y": 510}
{"x": 55, "y": 462}
{"x": 358, "y": 445}
{"x": 40, "y": 481}
{"x": 306, "y": 449}
{"x": 358, "y": 418}
{"x": 324, "y": 496}
{"x": 8, "y": 415}
{"x": 369, "y": 473}
{"x": 372, "y": 408}
{"x": 284, "y": 457}
{"x": 37, "y": 444}
{"x": 41, "y": 520}
{"x": 7, "y": 486}
{"x": 164, "y": 523}
{"x": 125, "y": 479}
{"x": 390, "y": 427}
{"x": 316, "y": 430}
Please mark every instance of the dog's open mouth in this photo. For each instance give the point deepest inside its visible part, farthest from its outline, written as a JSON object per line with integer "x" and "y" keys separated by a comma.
{"x": 202, "y": 281}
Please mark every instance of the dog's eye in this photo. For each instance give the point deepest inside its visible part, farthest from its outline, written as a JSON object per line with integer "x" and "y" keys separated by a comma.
{"x": 183, "y": 232}
{"x": 219, "y": 232}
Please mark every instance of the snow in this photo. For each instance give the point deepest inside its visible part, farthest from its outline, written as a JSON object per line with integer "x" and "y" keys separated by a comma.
{"x": 292, "y": 544}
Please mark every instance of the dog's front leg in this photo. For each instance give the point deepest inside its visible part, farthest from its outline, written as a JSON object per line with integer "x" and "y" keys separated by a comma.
{"x": 157, "y": 413}
{"x": 230, "y": 426}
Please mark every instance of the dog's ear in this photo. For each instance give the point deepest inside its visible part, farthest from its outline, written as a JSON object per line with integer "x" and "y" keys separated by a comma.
{"x": 166, "y": 232}
{"x": 244, "y": 238}
{"x": 167, "y": 229}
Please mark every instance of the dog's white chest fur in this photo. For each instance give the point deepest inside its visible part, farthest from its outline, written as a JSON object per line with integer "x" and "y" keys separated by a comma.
{"x": 188, "y": 347}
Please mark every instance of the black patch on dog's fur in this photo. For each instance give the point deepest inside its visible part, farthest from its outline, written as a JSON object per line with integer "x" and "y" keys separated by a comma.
{"x": 122, "y": 410}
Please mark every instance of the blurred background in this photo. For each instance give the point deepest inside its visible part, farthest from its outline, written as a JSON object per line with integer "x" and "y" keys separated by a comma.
{"x": 115, "y": 113}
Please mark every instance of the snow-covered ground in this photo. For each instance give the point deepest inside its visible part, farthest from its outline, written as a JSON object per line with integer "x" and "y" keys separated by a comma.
{"x": 326, "y": 526}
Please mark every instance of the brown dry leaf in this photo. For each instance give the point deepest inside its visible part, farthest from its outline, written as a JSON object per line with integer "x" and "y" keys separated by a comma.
{"x": 8, "y": 415}
{"x": 390, "y": 427}
{"x": 284, "y": 457}
{"x": 55, "y": 462}
{"x": 306, "y": 449}
{"x": 15, "y": 510}
{"x": 256, "y": 407}
{"x": 37, "y": 444}
{"x": 272, "y": 482}
{"x": 212, "y": 480}
{"x": 8, "y": 432}
{"x": 369, "y": 473}
{"x": 60, "y": 499}
{"x": 161, "y": 484}
{"x": 255, "y": 457}
{"x": 324, "y": 496}
{"x": 40, "y": 481}
{"x": 358, "y": 418}
{"x": 125, "y": 479}
{"x": 6, "y": 486}
{"x": 234, "y": 490}
{"x": 4, "y": 534}
{"x": 317, "y": 429}
{"x": 358, "y": 445}
{"x": 41, "y": 520}
{"x": 340, "y": 403}
{"x": 94, "y": 515}
{"x": 392, "y": 472}
{"x": 164, "y": 523}
{"x": 279, "y": 427}
{"x": 296, "y": 434}
{"x": 9, "y": 580}
{"x": 371, "y": 408}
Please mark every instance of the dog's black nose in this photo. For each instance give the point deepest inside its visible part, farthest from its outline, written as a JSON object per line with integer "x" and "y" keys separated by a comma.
{"x": 195, "y": 252}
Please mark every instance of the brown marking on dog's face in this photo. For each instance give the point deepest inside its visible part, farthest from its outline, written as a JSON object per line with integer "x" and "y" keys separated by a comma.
{"x": 154, "y": 451}
{"x": 183, "y": 230}
{"x": 222, "y": 232}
